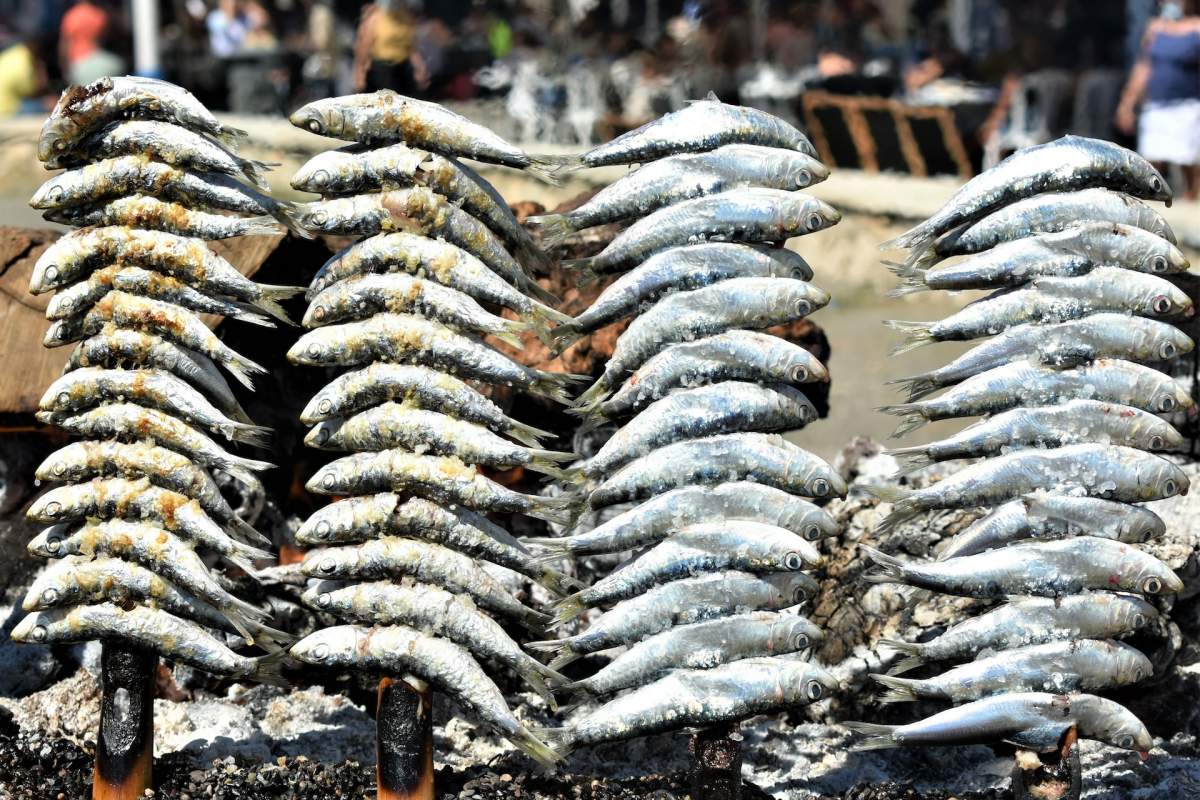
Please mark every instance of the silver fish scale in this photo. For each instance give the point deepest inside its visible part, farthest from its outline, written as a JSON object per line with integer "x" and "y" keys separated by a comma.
{"x": 137, "y": 510}
{"x": 1065, "y": 457}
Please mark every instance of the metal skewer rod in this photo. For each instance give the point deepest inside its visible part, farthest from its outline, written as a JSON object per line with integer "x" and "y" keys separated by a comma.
{"x": 125, "y": 744}
{"x": 404, "y": 740}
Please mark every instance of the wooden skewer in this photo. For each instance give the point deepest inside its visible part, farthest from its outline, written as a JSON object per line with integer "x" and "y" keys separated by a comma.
{"x": 404, "y": 740}
{"x": 125, "y": 744}
{"x": 716, "y": 769}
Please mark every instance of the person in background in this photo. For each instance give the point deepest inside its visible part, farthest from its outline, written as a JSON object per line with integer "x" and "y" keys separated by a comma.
{"x": 22, "y": 78}
{"x": 1165, "y": 82}
{"x": 83, "y": 27}
{"x": 385, "y": 54}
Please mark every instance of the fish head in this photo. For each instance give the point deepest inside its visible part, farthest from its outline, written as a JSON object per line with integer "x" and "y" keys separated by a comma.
{"x": 792, "y": 588}
{"x": 65, "y": 464}
{"x": 58, "y": 191}
{"x": 814, "y": 215}
{"x": 1171, "y": 343}
{"x": 788, "y": 264}
{"x": 1110, "y": 722}
{"x": 52, "y": 542}
{"x": 793, "y": 298}
{"x": 1131, "y": 664}
{"x": 813, "y": 684}
{"x": 1129, "y": 613}
{"x": 55, "y": 586}
{"x": 35, "y": 628}
{"x": 323, "y": 117}
{"x": 1150, "y": 576}
{"x": 330, "y": 172}
{"x": 331, "y": 562}
{"x": 1157, "y": 255}
{"x": 1144, "y": 179}
{"x": 1166, "y": 394}
{"x": 316, "y": 348}
{"x": 330, "y": 647}
{"x": 800, "y": 366}
{"x": 330, "y": 216}
{"x": 54, "y": 266}
{"x": 790, "y": 170}
{"x": 1160, "y": 478}
{"x": 1166, "y": 300}
{"x": 323, "y": 405}
{"x": 1155, "y": 433}
{"x": 319, "y": 594}
{"x": 321, "y": 436}
{"x": 327, "y": 524}
{"x": 824, "y": 481}
{"x": 55, "y": 505}
{"x": 57, "y": 136}
{"x": 793, "y": 633}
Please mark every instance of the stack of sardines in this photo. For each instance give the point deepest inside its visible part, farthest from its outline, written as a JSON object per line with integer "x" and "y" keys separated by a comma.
{"x": 711, "y": 491}
{"x": 1065, "y": 452}
{"x": 140, "y": 516}
{"x": 409, "y": 559}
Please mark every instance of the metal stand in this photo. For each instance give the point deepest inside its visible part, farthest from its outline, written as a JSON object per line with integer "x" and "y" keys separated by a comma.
{"x": 716, "y": 770}
{"x": 125, "y": 745}
{"x": 1061, "y": 779}
{"x": 404, "y": 741}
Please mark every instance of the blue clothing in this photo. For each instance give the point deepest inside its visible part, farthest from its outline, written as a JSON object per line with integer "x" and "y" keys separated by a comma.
{"x": 1174, "y": 67}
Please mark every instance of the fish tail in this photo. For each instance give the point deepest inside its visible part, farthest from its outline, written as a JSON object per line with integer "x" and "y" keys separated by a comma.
{"x": 879, "y": 737}
{"x": 543, "y": 320}
{"x": 240, "y": 558}
{"x": 231, "y": 137}
{"x": 569, "y": 608}
{"x": 564, "y": 335}
{"x": 904, "y": 504}
{"x": 890, "y": 569}
{"x": 555, "y": 550}
{"x": 917, "y": 238}
{"x": 557, "y": 582}
{"x": 254, "y": 171}
{"x": 913, "y": 414}
{"x": 555, "y": 229}
{"x": 527, "y": 434}
{"x": 243, "y": 369}
{"x": 912, "y": 281}
{"x": 917, "y": 386}
{"x": 592, "y": 397}
{"x": 536, "y": 682}
{"x": 916, "y": 334}
{"x": 548, "y": 462}
{"x": 269, "y": 668}
{"x": 558, "y": 510}
{"x": 288, "y": 214}
{"x": 254, "y": 318}
{"x": 510, "y": 334}
{"x": 248, "y": 532}
{"x": 552, "y": 169}
{"x": 900, "y": 690}
{"x": 548, "y": 753}
{"x": 231, "y": 463}
{"x": 253, "y": 435}
{"x": 566, "y": 656}
{"x": 270, "y": 638}
{"x": 264, "y": 225}
{"x": 554, "y": 385}
{"x": 269, "y": 297}
{"x": 911, "y": 459}
{"x": 578, "y": 264}
{"x": 547, "y": 646}
{"x": 914, "y": 653}
{"x": 533, "y": 289}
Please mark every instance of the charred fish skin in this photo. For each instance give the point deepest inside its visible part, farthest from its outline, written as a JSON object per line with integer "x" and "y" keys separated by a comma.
{"x": 749, "y": 215}
{"x": 1031, "y": 720}
{"x": 765, "y": 458}
{"x": 1071, "y": 162}
{"x": 1030, "y": 621}
{"x": 701, "y": 645}
{"x": 699, "y": 698}
{"x": 1058, "y": 667}
{"x": 1047, "y": 569}
{"x": 400, "y": 650}
{"x": 385, "y": 117}
{"x": 1049, "y": 213}
{"x": 732, "y": 355}
{"x": 1055, "y": 516}
{"x": 654, "y": 520}
{"x": 703, "y": 125}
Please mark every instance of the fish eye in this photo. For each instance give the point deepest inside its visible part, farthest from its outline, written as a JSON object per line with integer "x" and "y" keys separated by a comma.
{"x": 53, "y": 508}
{"x": 314, "y": 350}
{"x": 1158, "y": 264}
{"x": 329, "y": 480}
{"x": 320, "y": 652}
{"x": 324, "y": 600}
{"x": 328, "y": 565}
{"x": 38, "y": 634}
{"x": 801, "y": 642}
{"x": 1140, "y": 620}
{"x": 799, "y": 595}
{"x": 1138, "y": 674}
{"x": 800, "y": 374}
{"x": 325, "y": 406}
{"x": 50, "y": 596}
{"x": 323, "y": 529}
{"x": 322, "y": 435}
{"x": 1156, "y": 443}
{"x": 64, "y": 399}
{"x": 1152, "y": 585}
{"x": 814, "y": 222}
{"x": 1167, "y": 350}
{"x": 1161, "y": 304}
{"x": 319, "y": 312}
{"x": 803, "y": 308}
{"x": 820, "y": 487}
{"x": 1155, "y": 184}
{"x": 793, "y": 562}
{"x": 59, "y": 469}
{"x": 1169, "y": 487}
{"x": 60, "y": 145}
{"x": 52, "y": 272}
{"x": 812, "y": 533}
{"x": 314, "y": 125}
{"x": 799, "y": 274}
{"x": 803, "y": 178}
{"x": 55, "y": 193}
{"x": 1125, "y": 742}
{"x": 814, "y": 691}
{"x": 320, "y": 178}
{"x": 318, "y": 218}
{"x": 1166, "y": 404}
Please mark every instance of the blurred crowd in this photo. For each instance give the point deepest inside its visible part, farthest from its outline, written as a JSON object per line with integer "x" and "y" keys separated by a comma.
{"x": 583, "y": 70}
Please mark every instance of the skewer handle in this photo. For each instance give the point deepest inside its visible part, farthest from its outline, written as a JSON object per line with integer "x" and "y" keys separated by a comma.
{"x": 125, "y": 744}
{"x": 716, "y": 770}
{"x": 404, "y": 741}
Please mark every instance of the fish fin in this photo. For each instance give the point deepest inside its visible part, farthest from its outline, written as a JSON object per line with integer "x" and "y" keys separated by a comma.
{"x": 569, "y": 608}
{"x": 918, "y": 239}
{"x": 253, "y": 435}
{"x": 264, "y": 225}
{"x": 537, "y": 683}
{"x": 543, "y": 320}
{"x": 566, "y": 656}
{"x": 234, "y": 463}
{"x": 558, "y": 510}
{"x": 527, "y": 434}
{"x": 905, "y": 506}
{"x": 511, "y": 335}
{"x": 247, "y": 531}
{"x": 254, "y": 171}
{"x": 548, "y": 462}
{"x": 231, "y": 137}
{"x": 269, "y": 298}
{"x": 576, "y": 264}
{"x": 288, "y": 214}
{"x": 269, "y": 638}
{"x": 587, "y": 276}
{"x": 900, "y": 690}
{"x": 269, "y": 669}
{"x": 241, "y": 559}
{"x": 244, "y": 370}
{"x": 557, "y": 582}
{"x": 916, "y": 334}
{"x": 911, "y": 459}
{"x": 546, "y": 646}
{"x": 912, "y": 281}
{"x": 555, "y": 229}
{"x": 253, "y": 318}
{"x": 554, "y": 385}
{"x": 593, "y": 396}
{"x": 890, "y": 568}
{"x": 913, "y": 414}
{"x": 556, "y": 747}
{"x": 564, "y": 336}
{"x": 917, "y": 386}
{"x": 913, "y": 652}
{"x": 879, "y": 737}
{"x": 553, "y": 169}
{"x": 551, "y": 557}
{"x": 535, "y": 291}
